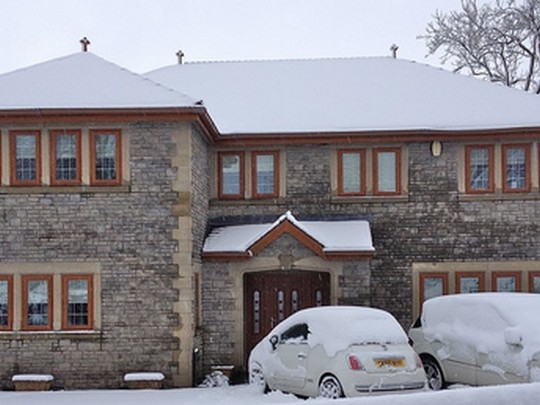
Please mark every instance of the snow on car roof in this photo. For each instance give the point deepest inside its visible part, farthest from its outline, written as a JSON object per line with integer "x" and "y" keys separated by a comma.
{"x": 480, "y": 320}
{"x": 338, "y": 327}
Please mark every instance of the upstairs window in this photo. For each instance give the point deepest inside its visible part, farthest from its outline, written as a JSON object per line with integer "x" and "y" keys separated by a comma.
{"x": 6, "y": 302}
{"x": 77, "y": 302}
{"x": 516, "y": 168}
{"x": 65, "y": 157}
{"x": 25, "y": 158}
{"x": 37, "y": 302}
{"x": 352, "y": 172}
{"x": 231, "y": 175}
{"x": 105, "y": 153}
{"x": 265, "y": 174}
{"x": 479, "y": 169}
{"x": 386, "y": 171}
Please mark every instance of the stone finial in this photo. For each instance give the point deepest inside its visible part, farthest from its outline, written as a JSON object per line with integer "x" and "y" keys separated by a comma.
{"x": 84, "y": 44}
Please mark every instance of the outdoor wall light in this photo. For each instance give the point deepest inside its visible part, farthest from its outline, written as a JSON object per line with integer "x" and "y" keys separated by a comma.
{"x": 436, "y": 148}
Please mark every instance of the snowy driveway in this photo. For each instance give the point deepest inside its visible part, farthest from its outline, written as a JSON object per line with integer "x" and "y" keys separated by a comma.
{"x": 524, "y": 394}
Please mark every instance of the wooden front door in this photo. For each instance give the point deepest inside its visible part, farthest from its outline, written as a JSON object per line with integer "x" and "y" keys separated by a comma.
{"x": 270, "y": 297}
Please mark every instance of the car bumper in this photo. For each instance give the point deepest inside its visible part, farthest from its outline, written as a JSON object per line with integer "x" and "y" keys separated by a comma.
{"x": 380, "y": 388}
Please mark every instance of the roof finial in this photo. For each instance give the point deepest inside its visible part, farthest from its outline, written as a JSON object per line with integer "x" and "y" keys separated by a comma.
{"x": 394, "y": 49}
{"x": 180, "y": 56}
{"x": 84, "y": 44}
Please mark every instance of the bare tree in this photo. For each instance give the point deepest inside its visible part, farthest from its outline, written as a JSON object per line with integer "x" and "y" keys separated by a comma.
{"x": 498, "y": 41}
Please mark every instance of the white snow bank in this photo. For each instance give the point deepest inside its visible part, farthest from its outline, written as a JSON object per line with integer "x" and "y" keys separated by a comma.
{"x": 32, "y": 377}
{"x": 144, "y": 377}
{"x": 523, "y": 394}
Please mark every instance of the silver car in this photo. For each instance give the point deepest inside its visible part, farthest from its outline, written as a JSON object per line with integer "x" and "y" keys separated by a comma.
{"x": 335, "y": 352}
{"x": 479, "y": 339}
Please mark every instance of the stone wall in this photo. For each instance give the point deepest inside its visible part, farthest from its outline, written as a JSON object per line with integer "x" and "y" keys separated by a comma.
{"x": 127, "y": 232}
{"x": 432, "y": 223}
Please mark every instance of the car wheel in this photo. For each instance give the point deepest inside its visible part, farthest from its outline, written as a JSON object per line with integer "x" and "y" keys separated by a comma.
{"x": 433, "y": 373}
{"x": 256, "y": 378}
{"x": 330, "y": 388}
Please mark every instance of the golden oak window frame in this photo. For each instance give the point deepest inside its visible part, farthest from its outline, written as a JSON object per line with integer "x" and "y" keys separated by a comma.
{"x": 8, "y": 281}
{"x": 255, "y": 172}
{"x": 342, "y": 172}
{"x": 54, "y": 136}
{"x": 66, "y": 324}
{"x": 25, "y": 324}
{"x": 377, "y": 189}
{"x": 94, "y": 178}
{"x": 14, "y": 135}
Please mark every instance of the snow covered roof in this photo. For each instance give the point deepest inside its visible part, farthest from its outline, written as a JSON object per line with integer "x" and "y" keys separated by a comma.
{"x": 84, "y": 81}
{"x": 338, "y": 237}
{"x": 342, "y": 95}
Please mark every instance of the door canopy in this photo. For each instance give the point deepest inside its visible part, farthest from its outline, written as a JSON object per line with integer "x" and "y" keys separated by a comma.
{"x": 327, "y": 239}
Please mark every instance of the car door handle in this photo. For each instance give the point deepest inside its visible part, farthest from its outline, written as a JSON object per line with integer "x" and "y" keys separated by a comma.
{"x": 302, "y": 356}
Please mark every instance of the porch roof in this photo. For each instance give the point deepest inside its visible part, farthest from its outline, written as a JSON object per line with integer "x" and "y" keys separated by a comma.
{"x": 323, "y": 237}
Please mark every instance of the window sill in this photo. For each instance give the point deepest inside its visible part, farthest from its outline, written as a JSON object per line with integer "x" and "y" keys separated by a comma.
{"x": 255, "y": 202}
{"x": 369, "y": 199}
{"x": 499, "y": 196}
{"x": 50, "y": 334}
{"x": 64, "y": 189}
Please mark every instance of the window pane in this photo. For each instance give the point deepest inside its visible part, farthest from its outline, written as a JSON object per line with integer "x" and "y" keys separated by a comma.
{"x": 506, "y": 284}
{"x": 4, "y": 302}
{"x": 479, "y": 169}
{"x": 25, "y": 151}
{"x": 66, "y": 157}
{"x": 515, "y": 168}
{"x": 386, "y": 172}
{"x": 256, "y": 312}
{"x": 351, "y": 172}
{"x": 281, "y": 305}
{"x": 77, "y": 302}
{"x": 37, "y": 303}
{"x": 230, "y": 171}
{"x": 106, "y": 157}
{"x": 433, "y": 287}
{"x": 469, "y": 285}
{"x": 265, "y": 174}
{"x": 536, "y": 284}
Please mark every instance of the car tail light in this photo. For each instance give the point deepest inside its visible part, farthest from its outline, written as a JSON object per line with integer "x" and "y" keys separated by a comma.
{"x": 354, "y": 363}
{"x": 418, "y": 361}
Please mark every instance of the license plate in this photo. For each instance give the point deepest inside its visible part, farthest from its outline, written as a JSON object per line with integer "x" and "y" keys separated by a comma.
{"x": 393, "y": 363}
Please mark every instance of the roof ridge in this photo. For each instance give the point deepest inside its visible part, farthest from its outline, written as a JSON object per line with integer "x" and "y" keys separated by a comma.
{"x": 262, "y": 60}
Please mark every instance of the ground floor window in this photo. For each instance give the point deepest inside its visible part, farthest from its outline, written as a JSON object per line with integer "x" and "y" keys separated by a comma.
{"x": 49, "y": 297}
{"x": 435, "y": 279}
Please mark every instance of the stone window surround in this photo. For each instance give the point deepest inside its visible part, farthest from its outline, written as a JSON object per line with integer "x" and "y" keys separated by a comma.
{"x": 15, "y": 273}
{"x": 533, "y": 168}
{"x": 369, "y": 153}
{"x": 247, "y": 174}
{"x": 46, "y": 183}
{"x": 451, "y": 272}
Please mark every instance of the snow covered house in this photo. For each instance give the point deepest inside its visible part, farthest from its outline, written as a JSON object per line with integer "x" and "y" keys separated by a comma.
{"x": 160, "y": 222}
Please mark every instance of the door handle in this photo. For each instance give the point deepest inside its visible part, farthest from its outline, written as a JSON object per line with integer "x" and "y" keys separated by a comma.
{"x": 302, "y": 356}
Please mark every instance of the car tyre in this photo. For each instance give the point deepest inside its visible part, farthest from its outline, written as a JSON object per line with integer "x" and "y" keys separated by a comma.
{"x": 330, "y": 388}
{"x": 433, "y": 373}
{"x": 256, "y": 377}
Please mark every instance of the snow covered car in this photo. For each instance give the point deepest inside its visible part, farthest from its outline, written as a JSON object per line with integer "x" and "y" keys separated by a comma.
{"x": 337, "y": 351}
{"x": 479, "y": 339}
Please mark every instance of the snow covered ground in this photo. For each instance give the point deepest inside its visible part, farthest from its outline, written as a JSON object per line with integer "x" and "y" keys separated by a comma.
{"x": 523, "y": 394}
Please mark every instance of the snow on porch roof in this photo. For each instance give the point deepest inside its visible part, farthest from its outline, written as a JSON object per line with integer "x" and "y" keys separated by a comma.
{"x": 338, "y": 237}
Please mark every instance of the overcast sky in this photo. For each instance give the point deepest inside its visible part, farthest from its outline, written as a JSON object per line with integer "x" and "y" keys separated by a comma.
{"x": 142, "y": 35}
